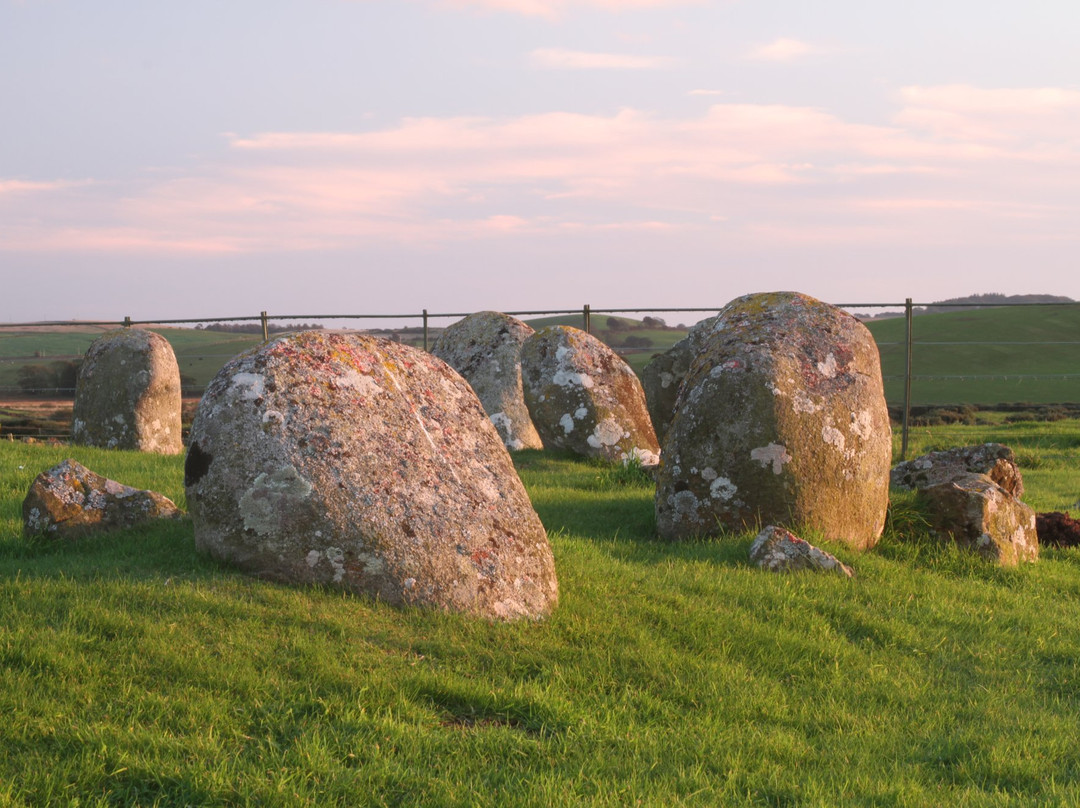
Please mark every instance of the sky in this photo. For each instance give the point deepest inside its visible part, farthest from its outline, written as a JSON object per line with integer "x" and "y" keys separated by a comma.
{"x": 220, "y": 158}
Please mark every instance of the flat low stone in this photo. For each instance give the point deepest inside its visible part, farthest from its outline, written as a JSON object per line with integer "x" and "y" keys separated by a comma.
{"x": 127, "y": 394}
{"x": 369, "y": 466}
{"x": 778, "y": 550}
{"x": 69, "y": 501}
{"x": 583, "y": 397}
{"x": 980, "y": 515}
{"x": 485, "y": 348}
{"x": 996, "y": 461}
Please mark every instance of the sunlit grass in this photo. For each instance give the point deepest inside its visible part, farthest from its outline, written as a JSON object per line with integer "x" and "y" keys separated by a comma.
{"x": 134, "y": 671}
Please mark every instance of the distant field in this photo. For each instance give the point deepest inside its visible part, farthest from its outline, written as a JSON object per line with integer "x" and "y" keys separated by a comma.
{"x": 979, "y": 356}
{"x": 985, "y": 356}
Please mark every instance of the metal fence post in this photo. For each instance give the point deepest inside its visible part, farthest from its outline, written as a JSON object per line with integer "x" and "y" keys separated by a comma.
{"x": 425, "y": 330}
{"x": 907, "y": 378}
{"x": 586, "y": 317}
{"x": 265, "y": 327}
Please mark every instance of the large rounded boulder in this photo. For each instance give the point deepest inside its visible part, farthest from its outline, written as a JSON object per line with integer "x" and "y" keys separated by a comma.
{"x": 485, "y": 348}
{"x": 128, "y": 394}
{"x": 364, "y": 464}
{"x": 583, "y": 397}
{"x": 781, "y": 420}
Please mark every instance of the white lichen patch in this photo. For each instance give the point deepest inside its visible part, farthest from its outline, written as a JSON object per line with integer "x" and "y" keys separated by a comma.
{"x": 271, "y": 497}
{"x": 774, "y": 454}
{"x": 833, "y": 436}
{"x": 607, "y": 433}
{"x": 666, "y": 379}
{"x": 567, "y": 423}
{"x": 722, "y": 488}
{"x": 249, "y": 386}
{"x": 862, "y": 424}
{"x": 707, "y": 474}
{"x": 828, "y": 367}
{"x": 580, "y": 413}
{"x": 567, "y": 378}
{"x": 803, "y": 404}
{"x": 364, "y": 385}
{"x": 645, "y": 457}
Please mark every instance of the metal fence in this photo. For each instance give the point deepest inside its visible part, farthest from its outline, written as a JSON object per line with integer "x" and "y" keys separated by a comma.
{"x": 420, "y": 326}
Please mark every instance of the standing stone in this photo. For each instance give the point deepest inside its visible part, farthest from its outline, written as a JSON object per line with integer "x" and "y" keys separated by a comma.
{"x": 485, "y": 348}
{"x": 128, "y": 394}
{"x": 662, "y": 378}
{"x": 980, "y": 515}
{"x": 70, "y": 501}
{"x": 367, "y": 465}
{"x": 781, "y": 420}
{"x": 583, "y": 397}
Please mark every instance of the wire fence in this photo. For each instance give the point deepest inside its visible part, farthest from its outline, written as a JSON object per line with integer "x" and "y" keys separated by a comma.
{"x": 1019, "y": 368}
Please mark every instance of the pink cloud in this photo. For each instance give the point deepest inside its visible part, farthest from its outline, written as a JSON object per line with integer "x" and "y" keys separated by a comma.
{"x": 953, "y": 163}
{"x": 784, "y": 49}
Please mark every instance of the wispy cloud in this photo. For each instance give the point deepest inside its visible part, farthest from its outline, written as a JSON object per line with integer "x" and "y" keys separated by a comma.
{"x": 784, "y": 49}
{"x": 560, "y": 59}
{"x": 955, "y": 163}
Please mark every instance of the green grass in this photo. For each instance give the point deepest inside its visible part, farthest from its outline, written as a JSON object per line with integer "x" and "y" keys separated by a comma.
{"x": 134, "y": 671}
{"x": 1015, "y": 369}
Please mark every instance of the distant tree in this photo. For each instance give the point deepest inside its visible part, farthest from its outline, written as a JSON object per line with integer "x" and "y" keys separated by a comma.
{"x": 636, "y": 341}
{"x": 615, "y": 324}
{"x": 36, "y": 379}
{"x": 653, "y": 322}
{"x": 67, "y": 374}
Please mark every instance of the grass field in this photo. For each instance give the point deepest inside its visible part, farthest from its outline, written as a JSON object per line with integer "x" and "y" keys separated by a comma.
{"x": 134, "y": 671}
{"x": 980, "y": 356}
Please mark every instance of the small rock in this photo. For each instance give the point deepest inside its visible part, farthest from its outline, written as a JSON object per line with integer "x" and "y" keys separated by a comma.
{"x": 779, "y": 550}
{"x": 69, "y": 501}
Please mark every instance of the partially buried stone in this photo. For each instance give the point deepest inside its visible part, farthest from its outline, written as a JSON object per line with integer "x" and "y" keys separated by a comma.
{"x": 69, "y": 501}
{"x": 779, "y": 550}
{"x": 128, "y": 394}
{"x": 485, "y": 348}
{"x": 366, "y": 465}
{"x": 980, "y": 515}
{"x": 583, "y": 397}
{"x": 996, "y": 461}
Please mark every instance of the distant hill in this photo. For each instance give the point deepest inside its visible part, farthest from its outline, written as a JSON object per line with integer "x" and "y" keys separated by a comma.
{"x": 986, "y": 301}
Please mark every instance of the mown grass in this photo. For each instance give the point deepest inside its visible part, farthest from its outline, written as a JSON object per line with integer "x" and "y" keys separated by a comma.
{"x": 134, "y": 671}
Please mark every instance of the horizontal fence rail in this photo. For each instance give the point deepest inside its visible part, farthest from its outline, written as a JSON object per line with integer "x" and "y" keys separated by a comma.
{"x": 418, "y": 326}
